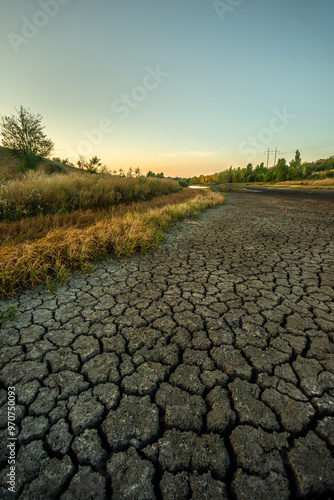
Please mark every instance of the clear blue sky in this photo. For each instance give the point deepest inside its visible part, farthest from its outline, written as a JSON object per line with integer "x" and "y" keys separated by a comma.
{"x": 182, "y": 86}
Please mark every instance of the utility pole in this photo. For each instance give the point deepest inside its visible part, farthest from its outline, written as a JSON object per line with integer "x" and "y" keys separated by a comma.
{"x": 276, "y": 156}
{"x": 268, "y": 153}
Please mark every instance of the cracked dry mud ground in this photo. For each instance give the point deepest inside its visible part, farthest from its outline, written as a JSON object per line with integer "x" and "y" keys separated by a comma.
{"x": 204, "y": 370}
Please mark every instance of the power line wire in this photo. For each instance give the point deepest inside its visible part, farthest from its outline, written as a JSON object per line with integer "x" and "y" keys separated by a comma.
{"x": 324, "y": 145}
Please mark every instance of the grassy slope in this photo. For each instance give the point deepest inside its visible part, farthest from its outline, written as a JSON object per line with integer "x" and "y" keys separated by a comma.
{"x": 10, "y": 166}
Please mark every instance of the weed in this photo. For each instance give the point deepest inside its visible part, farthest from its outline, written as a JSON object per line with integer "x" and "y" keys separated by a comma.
{"x": 87, "y": 268}
{"x": 51, "y": 284}
{"x": 7, "y": 314}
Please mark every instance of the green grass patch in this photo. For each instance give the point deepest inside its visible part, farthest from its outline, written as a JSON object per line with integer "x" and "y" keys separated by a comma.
{"x": 7, "y": 314}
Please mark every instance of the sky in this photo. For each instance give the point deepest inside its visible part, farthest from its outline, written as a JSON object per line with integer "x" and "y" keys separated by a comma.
{"x": 186, "y": 87}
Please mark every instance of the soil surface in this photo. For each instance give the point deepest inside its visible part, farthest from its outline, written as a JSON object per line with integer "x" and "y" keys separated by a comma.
{"x": 204, "y": 370}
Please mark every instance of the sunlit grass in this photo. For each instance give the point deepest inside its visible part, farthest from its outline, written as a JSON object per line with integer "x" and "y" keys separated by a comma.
{"x": 32, "y": 228}
{"x": 309, "y": 184}
{"x": 75, "y": 243}
{"x": 40, "y": 194}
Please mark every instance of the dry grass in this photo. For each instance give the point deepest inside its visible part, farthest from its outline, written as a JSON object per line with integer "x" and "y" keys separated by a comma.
{"x": 52, "y": 257}
{"x": 308, "y": 184}
{"x": 327, "y": 183}
{"x": 32, "y": 228}
{"x": 38, "y": 194}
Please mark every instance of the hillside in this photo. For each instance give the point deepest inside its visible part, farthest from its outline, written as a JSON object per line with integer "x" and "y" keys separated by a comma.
{"x": 10, "y": 166}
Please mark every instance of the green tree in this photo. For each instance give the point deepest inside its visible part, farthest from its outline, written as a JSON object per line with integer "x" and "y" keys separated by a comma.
{"x": 249, "y": 173}
{"x": 150, "y": 174}
{"x": 295, "y": 170}
{"x": 236, "y": 175}
{"x": 24, "y": 135}
{"x": 92, "y": 166}
{"x": 281, "y": 170}
{"x": 260, "y": 172}
{"x": 306, "y": 169}
{"x": 137, "y": 172}
{"x": 229, "y": 175}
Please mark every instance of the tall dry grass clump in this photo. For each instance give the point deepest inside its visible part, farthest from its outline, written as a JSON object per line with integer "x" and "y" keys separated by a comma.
{"x": 51, "y": 258}
{"x": 38, "y": 194}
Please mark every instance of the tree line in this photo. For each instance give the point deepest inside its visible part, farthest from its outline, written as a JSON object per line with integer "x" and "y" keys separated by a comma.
{"x": 296, "y": 169}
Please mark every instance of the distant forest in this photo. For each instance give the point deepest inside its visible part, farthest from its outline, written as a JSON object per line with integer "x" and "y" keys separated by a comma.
{"x": 282, "y": 171}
